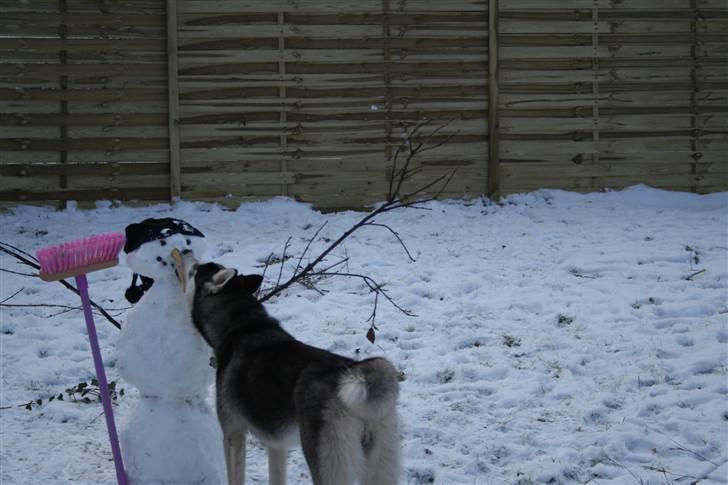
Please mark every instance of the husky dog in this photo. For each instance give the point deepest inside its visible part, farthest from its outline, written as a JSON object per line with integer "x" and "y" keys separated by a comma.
{"x": 282, "y": 390}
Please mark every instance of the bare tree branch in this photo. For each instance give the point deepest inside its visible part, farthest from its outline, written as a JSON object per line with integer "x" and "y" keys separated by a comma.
{"x": 30, "y": 260}
{"x": 310, "y": 266}
{"x": 50, "y": 305}
{"x": 18, "y": 250}
{"x": 413, "y": 143}
{"x": 64, "y": 308}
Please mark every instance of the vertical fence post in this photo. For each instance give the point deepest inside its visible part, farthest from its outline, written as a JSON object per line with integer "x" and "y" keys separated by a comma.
{"x": 283, "y": 115}
{"x": 63, "y": 83}
{"x": 596, "y": 149}
{"x": 493, "y": 144}
{"x": 386, "y": 32}
{"x": 175, "y": 182}
{"x": 695, "y": 123}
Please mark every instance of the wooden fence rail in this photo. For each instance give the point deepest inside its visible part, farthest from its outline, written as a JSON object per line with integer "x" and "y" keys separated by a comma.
{"x": 227, "y": 100}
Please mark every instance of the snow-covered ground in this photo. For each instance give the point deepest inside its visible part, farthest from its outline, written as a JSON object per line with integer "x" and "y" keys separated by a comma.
{"x": 559, "y": 338}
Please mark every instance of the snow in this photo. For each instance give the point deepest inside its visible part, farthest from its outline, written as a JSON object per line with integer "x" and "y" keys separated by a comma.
{"x": 559, "y": 337}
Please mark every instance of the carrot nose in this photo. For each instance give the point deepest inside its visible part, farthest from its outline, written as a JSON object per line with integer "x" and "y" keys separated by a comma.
{"x": 181, "y": 271}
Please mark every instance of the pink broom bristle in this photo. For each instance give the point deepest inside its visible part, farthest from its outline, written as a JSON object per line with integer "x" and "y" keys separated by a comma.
{"x": 80, "y": 253}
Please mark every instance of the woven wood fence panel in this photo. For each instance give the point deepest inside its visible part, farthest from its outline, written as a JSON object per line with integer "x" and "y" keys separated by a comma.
{"x": 308, "y": 98}
{"x": 83, "y": 100}
{"x": 605, "y": 94}
{"x": 226, "y": 100}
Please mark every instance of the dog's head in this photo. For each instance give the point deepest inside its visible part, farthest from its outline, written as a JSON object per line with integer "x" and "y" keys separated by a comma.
{"x": 202, "y": 280}
{"x": 212, "y": 291}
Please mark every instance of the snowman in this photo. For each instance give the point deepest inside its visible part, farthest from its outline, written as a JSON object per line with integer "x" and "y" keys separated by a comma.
{"x": 170, "y": 436}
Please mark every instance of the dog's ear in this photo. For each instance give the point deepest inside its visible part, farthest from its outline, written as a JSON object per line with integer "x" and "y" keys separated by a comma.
{"x": 251, "y": 282}
{"x": 220, "y": 279}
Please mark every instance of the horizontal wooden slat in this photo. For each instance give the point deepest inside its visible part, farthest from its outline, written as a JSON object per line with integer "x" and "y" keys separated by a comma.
{"x": 101, "y": 193}
{"x": 78, "y": 169}
{"x": 452, "y": 68}
{"x": 150, "y": 7}
{"x": 678, "y": 181}
{"x": 84, "y": 144}
{"x": 324, "y": 6}
{"x": 78, "y": 119}
{"x": 626, "y": 5}
{"x": 679, "y": 156}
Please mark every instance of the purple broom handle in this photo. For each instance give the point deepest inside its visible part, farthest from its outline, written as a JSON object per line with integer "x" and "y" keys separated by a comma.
{"x": 82, "y": 285}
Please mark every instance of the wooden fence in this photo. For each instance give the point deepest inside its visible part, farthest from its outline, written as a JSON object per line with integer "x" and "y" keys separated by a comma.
{"x": 229, "y": 99}
{"x": 597, "y": 94}
{"x": 83, "y": 100}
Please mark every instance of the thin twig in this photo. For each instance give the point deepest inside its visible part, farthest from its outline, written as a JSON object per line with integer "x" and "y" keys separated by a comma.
{"x": 614, "y": 462}
{"x": 62, "y": 312}
{"x": 49, "y": 305}
{"x": 666, "y": 472}
{"x": 447, "y": 178}
{"x": 373, "y": 316}
{"x": 23, "y": 257}
{"x": 21, "y": 251}
{"x": 396, "y": 235}
{"x": 707, "y": 474}
{"x": 29, "y": 403}
{"x": 690, "y": 278}
{"x": 374, "y": 287}
{"x": 32, "y": 275}
{"x": 65, "y": 308}
{"x": 338, "y": 263}
{"x": 308, "y": 246}
{"x": 283, "y": 260}
{"x": 681, "y": 447}
{"x": 588, "y": 276}
{"x": 266, "y": 265}
{"x": 12, "y": 296}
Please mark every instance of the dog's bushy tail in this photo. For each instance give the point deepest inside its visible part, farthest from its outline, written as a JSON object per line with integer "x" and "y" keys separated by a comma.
{"x": 370, "y": 388}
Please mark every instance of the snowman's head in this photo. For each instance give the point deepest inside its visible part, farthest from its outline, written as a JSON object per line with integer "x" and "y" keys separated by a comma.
{"x": 148, "y": 248}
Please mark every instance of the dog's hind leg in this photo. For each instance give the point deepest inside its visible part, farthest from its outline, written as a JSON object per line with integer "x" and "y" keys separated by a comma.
{"x": 340, "y": 453}
{"x": 277, "y": 458}
{"x": 235, "y": 456}
{"x": 382, "y": 452}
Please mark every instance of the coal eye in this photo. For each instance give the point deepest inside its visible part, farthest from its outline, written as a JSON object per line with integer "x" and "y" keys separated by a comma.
{"x": 189, "y": 242}
{"x": 162, "y": 242}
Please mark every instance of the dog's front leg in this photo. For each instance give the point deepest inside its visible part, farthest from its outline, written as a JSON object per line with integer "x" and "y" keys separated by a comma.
{"x": 277, "y": 458}
{"x": 235, "y": 456}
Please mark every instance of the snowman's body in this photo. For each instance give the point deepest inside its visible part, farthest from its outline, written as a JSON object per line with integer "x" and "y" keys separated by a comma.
{"x": 171, "y": 435}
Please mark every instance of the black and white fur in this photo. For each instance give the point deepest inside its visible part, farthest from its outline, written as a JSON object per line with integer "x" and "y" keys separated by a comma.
{"x": 282, "y": 390}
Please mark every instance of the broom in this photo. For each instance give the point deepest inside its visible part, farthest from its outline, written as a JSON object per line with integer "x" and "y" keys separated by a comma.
{"x": 77, "y": 258}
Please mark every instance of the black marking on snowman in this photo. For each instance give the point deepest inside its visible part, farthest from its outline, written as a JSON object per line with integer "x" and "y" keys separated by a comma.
{"x": 146, "y": 232}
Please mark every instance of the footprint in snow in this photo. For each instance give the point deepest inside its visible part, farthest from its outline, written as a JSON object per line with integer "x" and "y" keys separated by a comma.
{"x": 684, "y": 340}
{"x": 722, "y": 336}
{"x": 705, "y": 367}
